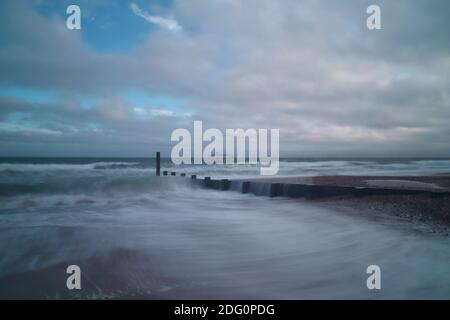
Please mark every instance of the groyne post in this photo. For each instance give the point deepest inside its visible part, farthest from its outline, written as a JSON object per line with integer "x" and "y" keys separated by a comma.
{"x": 224, "y": 184}
{"x": 245, "y": 187}
{"x": 274, "y": 189}
{"x": 158, "y": 164}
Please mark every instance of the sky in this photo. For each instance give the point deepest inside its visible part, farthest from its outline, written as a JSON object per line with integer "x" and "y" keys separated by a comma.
{"x": 137, "y": 70}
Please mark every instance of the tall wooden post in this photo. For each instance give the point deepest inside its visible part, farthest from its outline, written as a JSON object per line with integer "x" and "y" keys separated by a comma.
{"x": 158, "y": 163}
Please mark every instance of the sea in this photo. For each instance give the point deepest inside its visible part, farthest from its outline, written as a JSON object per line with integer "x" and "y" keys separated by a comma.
{"x": 135, "y": 235}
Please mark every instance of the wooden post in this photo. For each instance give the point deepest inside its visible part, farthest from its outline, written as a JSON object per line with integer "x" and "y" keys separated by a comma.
{"x": 158, "y": 164}
{"x": 245, "y": 186}
{"x": 274, "y": 189}
{"x": 224, "y": 184}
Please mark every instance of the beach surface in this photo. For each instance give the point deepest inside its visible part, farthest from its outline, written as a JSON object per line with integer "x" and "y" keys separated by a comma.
{"x": 436, "y": 183}
{"x": 417, "y": 198}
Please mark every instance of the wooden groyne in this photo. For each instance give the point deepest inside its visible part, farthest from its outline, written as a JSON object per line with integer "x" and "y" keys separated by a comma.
{"x": 292, "y": 187}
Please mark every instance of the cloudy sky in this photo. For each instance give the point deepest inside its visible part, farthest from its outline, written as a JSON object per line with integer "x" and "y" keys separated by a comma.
{"x": 139, "y": 69}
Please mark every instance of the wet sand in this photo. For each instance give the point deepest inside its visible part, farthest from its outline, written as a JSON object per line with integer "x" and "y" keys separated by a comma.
{"x": 433, "y": 211}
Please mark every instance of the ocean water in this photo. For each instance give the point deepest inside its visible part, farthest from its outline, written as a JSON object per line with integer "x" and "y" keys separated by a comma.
{"x": 135, "y": 235}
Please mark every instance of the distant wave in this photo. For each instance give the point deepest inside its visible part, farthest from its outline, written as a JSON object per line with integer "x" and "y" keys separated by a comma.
{"x": 115, "y": 165}
{"x": 287, "y": 167}
{"x": 19, "y": 167}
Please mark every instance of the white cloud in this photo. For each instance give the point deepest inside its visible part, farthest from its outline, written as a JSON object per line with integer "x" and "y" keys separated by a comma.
{"x": 168, "y": 113}
{"x": 161, "y": 112}
{"x": 166, "y": 23}
{"x": 147, "y": 114}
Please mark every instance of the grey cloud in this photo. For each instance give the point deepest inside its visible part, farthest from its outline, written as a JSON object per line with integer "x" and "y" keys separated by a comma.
{"x": 110, "y": 122}
{"x": 310, "y": 68}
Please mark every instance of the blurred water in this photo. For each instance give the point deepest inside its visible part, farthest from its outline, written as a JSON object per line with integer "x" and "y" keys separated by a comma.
{"x": 136, "y": 235}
